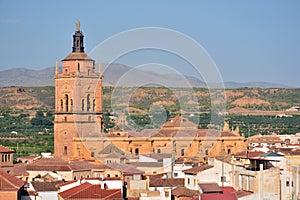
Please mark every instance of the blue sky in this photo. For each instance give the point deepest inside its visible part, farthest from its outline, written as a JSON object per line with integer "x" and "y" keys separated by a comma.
{"x": 248, "y": 40}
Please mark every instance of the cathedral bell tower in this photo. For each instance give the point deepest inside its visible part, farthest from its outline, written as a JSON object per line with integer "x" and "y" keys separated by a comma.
{"x": 78, "y": 102}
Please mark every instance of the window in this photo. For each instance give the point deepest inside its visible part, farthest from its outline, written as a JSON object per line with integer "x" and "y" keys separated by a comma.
{"x": 82, "y": 105}
{"x": 158, "y": 151}
{"x": 78, "y": 67}
{"x": 88, "y": 103}
{"x": 182, "y": 152}
{"x": 136, "y": 151}
{"x": 223, "y": 178}
{"x": 117, "y": 175}
{"x": 65, "y": 150}
{"x": 108, "y": 175}
{"x": 175, "y": 174}
{"x": 188, "y": 181}
{"x": 167, "y": 194}
{"x": 67, "y": 102}
{"x": 229, "y": 151}
{"x": 94, "y": 105}
{"x": 206, "y": 152}
{"x": 92, "y": 154}
{"x": 287, "y": 183}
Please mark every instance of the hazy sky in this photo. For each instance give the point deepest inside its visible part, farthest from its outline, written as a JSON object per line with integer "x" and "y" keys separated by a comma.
{"x": 248, "y": 40}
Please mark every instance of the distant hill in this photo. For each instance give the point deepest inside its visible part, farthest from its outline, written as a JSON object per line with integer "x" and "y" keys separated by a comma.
{"x": 114, "y": 73}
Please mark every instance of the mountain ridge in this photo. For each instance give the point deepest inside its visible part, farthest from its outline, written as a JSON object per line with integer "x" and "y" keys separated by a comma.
{"x": 116, "y": 74}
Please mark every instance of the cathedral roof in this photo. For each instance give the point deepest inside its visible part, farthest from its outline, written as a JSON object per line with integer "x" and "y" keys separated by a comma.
{"x": 78, "y": 56}
{"x": 111, "y": 148}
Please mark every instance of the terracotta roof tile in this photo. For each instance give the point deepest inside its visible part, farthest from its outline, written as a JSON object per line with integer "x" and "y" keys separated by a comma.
{"x": 196, "y": 170}
{"x": 77, "y": 56}
{"x": 242, "y": 193}
{"x": 167, "y": 182}
{"x": 4, "y": 149}
{"x": 59, "y": 165}
{"x": 210, "y": 188}
{"x": 126, "y": 169}
{"x": 89, "y": 191}
{"x": 227, "y": 193}
{"x": 10, "y": 182}
{"x": 18, "y": 170}
{"x": 111, "y": 148}
{"x": 146, "y": 164}
{"x": 45, "y": 186}
{"x": 184, "y": 192}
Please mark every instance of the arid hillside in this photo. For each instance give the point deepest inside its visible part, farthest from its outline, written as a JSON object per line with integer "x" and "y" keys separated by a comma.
{"x": 238, "y": 101}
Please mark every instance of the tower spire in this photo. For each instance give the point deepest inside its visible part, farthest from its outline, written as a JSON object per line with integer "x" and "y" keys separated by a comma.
{"x": 77, "y": 26}
{"x": 78, "y": 39}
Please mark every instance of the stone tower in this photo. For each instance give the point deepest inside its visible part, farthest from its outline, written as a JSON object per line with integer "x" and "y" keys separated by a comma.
{"x": 78, "y": 102}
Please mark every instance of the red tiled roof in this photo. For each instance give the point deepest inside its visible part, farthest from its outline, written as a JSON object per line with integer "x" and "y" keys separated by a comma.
{"x": 210, "y": 188}
{"x": 195, "y": 170}
{"x": 146, "y": 164}
{"x": 158, "y": 156}
{"x": 89, "y": 191}
{"x": 66, "y": 183}
{"x": 248, "y": 154}
{"x": 126, "y": 169}
{"x": 228, "y": 193}
{"x": 54, "y": 164}
{"x": 48, "y": 168}
{"x": 177, "y": 122}
{"x": 4, "y": 149}
{"x": 167, "y": 182}
{"x": 10, "y": 182}
{"x": 242, "y": 193}
{"x": 45, "y": 186}
{"x": 18, "y": 170}
{"x": 184, "y": 132}
{"x": 184, "y": 192}
{"x": 77, "y": 56}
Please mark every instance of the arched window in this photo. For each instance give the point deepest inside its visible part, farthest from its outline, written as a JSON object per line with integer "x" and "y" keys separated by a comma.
{"x": 94, "y": 105}
{"x": 61, "y": 105}
{"x": 65, "y": 150}
{"x": 78, "y": 67}
{"x": 67, "y": 102}
{"x": 82, "y": 105}
{"x": 88, "y": 103}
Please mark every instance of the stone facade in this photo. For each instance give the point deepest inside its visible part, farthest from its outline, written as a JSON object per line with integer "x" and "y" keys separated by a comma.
{"x": 78, "y": 101}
